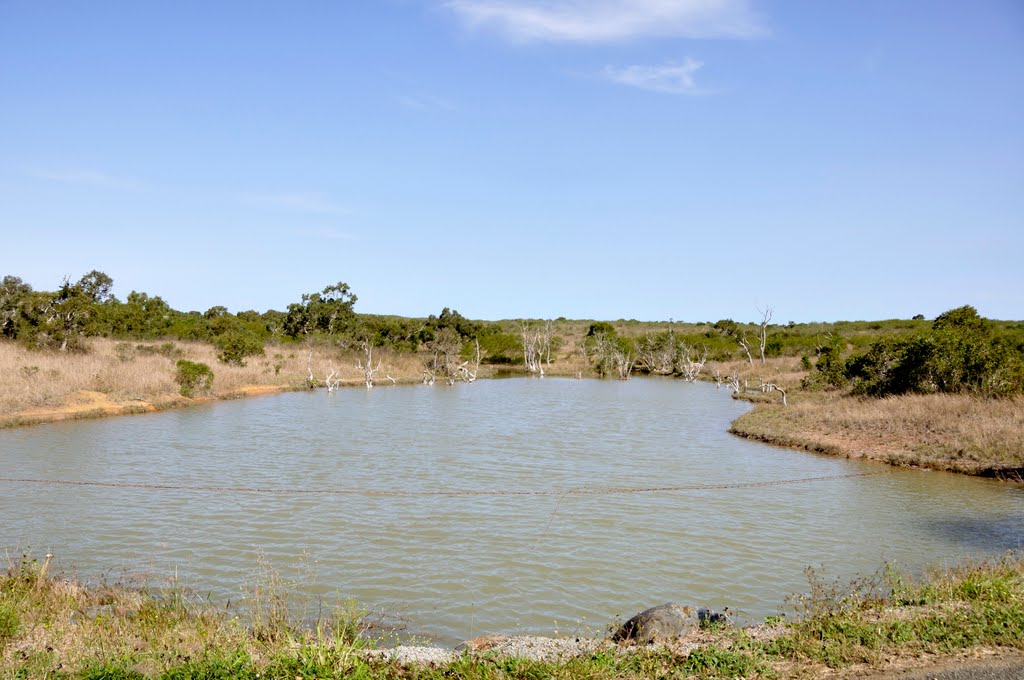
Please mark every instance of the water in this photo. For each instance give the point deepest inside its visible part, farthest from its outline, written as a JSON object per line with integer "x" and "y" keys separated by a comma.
{"x": 449, "y": 567}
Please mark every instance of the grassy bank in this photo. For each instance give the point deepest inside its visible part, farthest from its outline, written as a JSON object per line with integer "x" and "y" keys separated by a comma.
{"x": 59, "y": 628}
{"x": 953, "y": 432}
{"x": 116, "y": 377}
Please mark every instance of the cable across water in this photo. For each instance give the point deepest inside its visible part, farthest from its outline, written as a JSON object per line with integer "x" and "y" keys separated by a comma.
{"x": 579, "y": 490}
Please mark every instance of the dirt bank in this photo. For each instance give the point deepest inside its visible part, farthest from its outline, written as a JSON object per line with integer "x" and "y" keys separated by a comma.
{"x": 90, "y": 404}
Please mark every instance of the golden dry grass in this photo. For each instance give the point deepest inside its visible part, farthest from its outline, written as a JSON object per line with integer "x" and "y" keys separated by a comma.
{"x": 940, "y": 431}
{"x": 127, "y": 372}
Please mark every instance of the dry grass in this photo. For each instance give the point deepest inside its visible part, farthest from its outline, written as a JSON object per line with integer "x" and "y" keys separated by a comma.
{"x": 939, "y": 431}
{"x": 127, "y": 372}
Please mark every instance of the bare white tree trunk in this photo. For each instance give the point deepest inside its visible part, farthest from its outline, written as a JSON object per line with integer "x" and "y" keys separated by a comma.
{"x": 767, "y": 387}
{"x": 659, "y": 355}
{"x": 536, "y": 346}
{"x": 762, "y": 334}
{"x": 745, "y": 344}
{"x": 693, "y": 362}
{"x": 369, "y": 370}
{"x": 332, "y": 380}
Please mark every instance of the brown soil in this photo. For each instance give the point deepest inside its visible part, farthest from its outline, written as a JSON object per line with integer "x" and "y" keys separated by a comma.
{"x": 89, "y": 404}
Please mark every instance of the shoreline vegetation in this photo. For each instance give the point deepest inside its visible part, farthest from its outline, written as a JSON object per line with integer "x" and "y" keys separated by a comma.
{"x": 56, "y": 626}
{"x": 958, "y": 433}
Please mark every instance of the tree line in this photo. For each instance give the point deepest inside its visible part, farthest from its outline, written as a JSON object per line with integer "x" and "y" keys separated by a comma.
{"x": 959, "y": 351}
{"x": 60, "y": 320}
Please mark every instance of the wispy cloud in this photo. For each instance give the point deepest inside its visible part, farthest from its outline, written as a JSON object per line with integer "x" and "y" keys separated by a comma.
{"x": 301, "y": 201}
{"x": 598, "y": 21}
{"x": 669, "y": 78}
{"x": 425, "y": 102}
{"x": 87, "y": 177}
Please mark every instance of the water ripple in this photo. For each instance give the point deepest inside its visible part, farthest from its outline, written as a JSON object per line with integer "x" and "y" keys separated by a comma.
{"x": 454, "y": 566}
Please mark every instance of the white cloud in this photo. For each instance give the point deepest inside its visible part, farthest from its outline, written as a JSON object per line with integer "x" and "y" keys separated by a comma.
{"x": 670, "y": 78}
{"x": 93, "y": 178}
{"x": 596, "y": 21}
{"x": 302, "y": 201}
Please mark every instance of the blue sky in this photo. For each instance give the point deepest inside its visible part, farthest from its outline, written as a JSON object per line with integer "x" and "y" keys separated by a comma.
{"x": 649, "y": 159}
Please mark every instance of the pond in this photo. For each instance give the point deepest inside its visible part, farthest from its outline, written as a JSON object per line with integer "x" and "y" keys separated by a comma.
{"x": 526, "y": 505}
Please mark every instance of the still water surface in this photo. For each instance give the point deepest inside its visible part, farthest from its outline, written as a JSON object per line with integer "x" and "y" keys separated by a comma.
{"x": 454, "y": 566}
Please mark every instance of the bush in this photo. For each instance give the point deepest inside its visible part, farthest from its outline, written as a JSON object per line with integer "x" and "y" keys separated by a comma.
{"x": 192, "y": 377}
{"x": 236, "y": 345}
{"x": 961, "y": 353}
{"x": 830, "y": 369}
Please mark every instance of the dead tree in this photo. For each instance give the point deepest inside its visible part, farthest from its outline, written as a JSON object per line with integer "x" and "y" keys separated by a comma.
{"x": 310, "y": 380}
{"x": 658, "y": 354}
{"x": 536, "y": 346}
{"x": 332, "y": 380}
{"x": 369, "y": 369}
{"x": 767, "y": 387}
{"x": 741, "y": 338}
{"x": 444, "y": 359}
{"x": 624, "y": 362}
{"x": 612, "y": 357}
{"x": 762, "y": 333}
{"x": 692, "y": 362}
{"x": 463, "y": 372}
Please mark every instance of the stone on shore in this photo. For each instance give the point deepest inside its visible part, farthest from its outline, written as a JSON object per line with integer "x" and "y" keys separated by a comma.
{"x": 665, "y": 622}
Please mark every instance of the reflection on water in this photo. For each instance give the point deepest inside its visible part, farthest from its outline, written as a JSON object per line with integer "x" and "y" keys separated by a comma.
{"x": 455, "y": 566}
{"x": 983, "y": 533}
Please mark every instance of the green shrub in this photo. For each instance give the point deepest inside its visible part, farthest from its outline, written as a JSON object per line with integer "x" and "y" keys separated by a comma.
{"x": 235, "y": 345}
{"x": 193, "y": 377}
{"x": 962, "y": 353}
{"x": 166, "y": 349}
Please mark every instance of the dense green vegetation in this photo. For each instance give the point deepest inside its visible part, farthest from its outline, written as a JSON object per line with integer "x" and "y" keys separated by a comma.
{"x": 959, "y": 353}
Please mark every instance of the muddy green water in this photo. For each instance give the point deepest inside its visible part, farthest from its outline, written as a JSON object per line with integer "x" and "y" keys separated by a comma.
{"x": 447, "y": 566}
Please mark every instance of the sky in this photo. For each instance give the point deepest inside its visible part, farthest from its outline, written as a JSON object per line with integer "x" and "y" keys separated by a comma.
{"x": 640, "y": 159}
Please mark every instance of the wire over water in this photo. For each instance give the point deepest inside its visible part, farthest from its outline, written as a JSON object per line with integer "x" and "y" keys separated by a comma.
{"x": 580, "y": 490}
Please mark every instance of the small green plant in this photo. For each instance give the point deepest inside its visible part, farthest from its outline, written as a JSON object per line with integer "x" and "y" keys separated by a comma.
{"x": 8, "y": 621}
{"x": 29, "y": 372}
{"x": 713, "y": 662}
{"x": 193, "y": 377}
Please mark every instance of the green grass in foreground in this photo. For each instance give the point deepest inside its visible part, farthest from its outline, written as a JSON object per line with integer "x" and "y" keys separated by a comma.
{"x": 55, "y": 628}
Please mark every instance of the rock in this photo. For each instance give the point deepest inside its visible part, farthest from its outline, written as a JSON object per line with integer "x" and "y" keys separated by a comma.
{"x": 482, "y": 643}
{"x": 709, "y": 617}
{"x": 661, "y": 623}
